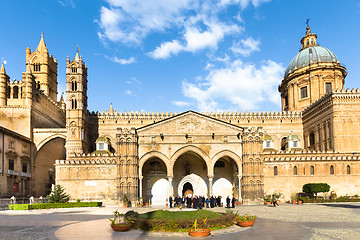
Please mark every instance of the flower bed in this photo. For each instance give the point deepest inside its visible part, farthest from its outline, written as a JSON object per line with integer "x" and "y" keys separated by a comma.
{"x": 53, "y": 205}
{"x": 180, "y": 221}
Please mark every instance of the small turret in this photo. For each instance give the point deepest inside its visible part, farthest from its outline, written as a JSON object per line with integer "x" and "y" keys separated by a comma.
{"x": 4, "y": 79}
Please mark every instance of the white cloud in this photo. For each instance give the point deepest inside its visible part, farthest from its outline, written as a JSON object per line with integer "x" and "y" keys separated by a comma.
{"x": 129, "y": 92}
{"x": 166, "y": 49}
{"x": 181, "y": 103}
{"x": 246, "y": 47}
{"x": 196, "y": 39}
{"x": 240, "y": 86}
{"x": 130, "y": 21}
{"x": 122, "y": 60}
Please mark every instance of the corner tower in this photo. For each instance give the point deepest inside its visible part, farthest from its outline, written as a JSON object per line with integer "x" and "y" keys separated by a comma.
{"x": 44, "y": 69}
{"x": 313, "y": 72}
{"x": 76, "y": 106}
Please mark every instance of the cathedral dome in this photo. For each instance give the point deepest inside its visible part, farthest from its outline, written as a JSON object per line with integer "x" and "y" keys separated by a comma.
{"x": 311, "y": 55}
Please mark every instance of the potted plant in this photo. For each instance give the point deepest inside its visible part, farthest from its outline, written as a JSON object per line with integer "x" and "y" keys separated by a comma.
{"x": 246, "y": 220}
{"x": 147, "y": 203}
{"x": 267, "y": 199}
{"x": 120, "y": 223}
{"x": 140, "y": 203}
{"x": 199, "y": 231}
{"x": 125, "y": 201}
{"x": 299, "y": 201}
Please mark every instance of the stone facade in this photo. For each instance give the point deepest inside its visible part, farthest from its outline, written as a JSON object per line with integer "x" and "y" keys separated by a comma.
{"x": 111, "y": 154}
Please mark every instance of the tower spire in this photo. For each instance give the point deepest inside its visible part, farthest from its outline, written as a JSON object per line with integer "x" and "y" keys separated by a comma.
{"x": 42, "y": 46}
{"x": 2, "y": 70}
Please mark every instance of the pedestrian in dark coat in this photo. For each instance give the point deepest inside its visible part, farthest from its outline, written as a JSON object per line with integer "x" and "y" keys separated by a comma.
{"x": 228, "y": 202}
{"x": 170, "y": 201}
{"x": 233, "y": 202}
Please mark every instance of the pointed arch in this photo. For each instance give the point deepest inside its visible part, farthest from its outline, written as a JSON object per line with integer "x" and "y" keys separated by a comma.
{"x": 185, "y": 149}
{"x": 226, "y": 153}
{"x": 154, "y": 154}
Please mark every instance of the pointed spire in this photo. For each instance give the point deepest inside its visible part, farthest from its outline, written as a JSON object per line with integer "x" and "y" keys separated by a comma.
{"x": 2, "y": 70}
{"x": 111, "y": 108}
{"x": 77, "y": 56}
{"x": 42, "y": 46}
{"x": 28, "y": 51}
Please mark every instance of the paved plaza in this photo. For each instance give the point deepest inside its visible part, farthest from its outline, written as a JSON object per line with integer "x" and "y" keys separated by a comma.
{"x": 307, "y": 221}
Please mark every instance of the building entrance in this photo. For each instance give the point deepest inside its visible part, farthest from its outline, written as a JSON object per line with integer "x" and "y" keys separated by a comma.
{"x": 187, "y": 190}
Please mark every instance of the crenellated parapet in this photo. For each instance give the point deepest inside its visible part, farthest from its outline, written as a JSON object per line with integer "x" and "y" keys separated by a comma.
{"x": 89, "y": 160}
{"x": 309, "y": 156}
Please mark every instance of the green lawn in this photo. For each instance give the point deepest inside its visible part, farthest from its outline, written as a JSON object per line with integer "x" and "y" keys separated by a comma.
{"x": 179, "y": 215}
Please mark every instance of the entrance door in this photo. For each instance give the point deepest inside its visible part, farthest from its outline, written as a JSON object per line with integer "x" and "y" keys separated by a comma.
{"x": 187, "y": 190}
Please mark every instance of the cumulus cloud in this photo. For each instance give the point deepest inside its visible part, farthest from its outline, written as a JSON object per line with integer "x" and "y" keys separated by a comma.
{"x": 242, "y": 86}
{"x": 245, "y": 47}
{"x": 122, "y": 60}
{"x": 196, "y": 39}
{"x": 198, "y": 24}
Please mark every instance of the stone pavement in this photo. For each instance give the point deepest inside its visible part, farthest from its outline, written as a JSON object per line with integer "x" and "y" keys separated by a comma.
{"x": 307, "y": 221}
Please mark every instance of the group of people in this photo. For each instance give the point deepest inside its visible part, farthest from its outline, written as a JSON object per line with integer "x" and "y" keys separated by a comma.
{"x": 199, "y": 202}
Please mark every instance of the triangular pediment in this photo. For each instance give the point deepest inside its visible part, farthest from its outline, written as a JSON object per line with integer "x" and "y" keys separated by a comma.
{"x": 190, "y": 123}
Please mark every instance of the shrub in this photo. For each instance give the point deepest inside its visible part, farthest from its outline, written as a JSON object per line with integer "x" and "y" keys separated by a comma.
{"x": 316, "y": 188}
{"x": 53, "y": 205}
{"x": 58, "y": 195}
{"x": 175, "y": 225}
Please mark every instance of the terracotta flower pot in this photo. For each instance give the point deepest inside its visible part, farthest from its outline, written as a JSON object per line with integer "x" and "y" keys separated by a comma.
{"x": 293, "y": 201}
{"x": 125, "y": 205}
{"x": 299, "y": 202}
{"x": 246, "y": 224}
{"x": 121, "y": 227}
{"x": 200, "y": 232}
{"x": 146, "y": 204}
{"x": 140, "y": 205}
{"x": 267, "y": 203}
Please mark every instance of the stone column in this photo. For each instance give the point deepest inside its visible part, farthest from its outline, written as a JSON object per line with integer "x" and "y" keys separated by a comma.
{"x": 240, "y": 198}
{"x": 171, "y": 189}
{"x": 210, "y": 185}
{"x": 140, "y": 186}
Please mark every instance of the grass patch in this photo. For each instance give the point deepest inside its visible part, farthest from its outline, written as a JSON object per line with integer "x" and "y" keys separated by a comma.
{"x": 179, "y": 215}
{"x": 53, "y": 205}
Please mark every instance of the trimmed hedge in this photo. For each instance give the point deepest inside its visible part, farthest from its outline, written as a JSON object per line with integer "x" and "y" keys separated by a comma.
{"x": 225, "y": 220}
{"x": 322, "y": 200}
{"x": 53, "y": 205}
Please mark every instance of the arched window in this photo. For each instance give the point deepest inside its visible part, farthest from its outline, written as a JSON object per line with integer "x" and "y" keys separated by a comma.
{"x": 73, "y": 104}
{"x": 37, "y": 67}
{"x": 312, "y": 139}
{"x": 16, "y": 92}
{"x": 275, "y": 171}
{"x": 348, "y": 171}
{"x": 332, "y": 170}
{"x": 312, "y": 170}
{"x": 295, "y": 170}
{"x": 73, "y": 86}
{"x": 38, "y": 85}
{"x": 283, "y": 143}
{"x": 307, "y": 42}
{"x": 74, "y": 69}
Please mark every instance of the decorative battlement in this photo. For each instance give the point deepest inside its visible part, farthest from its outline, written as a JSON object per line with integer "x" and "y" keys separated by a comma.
{"x": 336, "y": 93}
{"x": 305, "y": 155}
{"x": 47, "y": 101}
{"x": 90, "y": 160}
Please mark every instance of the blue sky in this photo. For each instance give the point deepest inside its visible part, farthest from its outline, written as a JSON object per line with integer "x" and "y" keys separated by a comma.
{"x": 173, "y": 56}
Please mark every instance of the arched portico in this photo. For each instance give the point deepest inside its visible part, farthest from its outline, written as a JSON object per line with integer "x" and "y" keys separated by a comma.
{"x": 198, "y": 184}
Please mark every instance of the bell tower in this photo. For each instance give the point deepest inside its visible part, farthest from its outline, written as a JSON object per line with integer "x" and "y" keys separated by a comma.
{"x": 44, "y": 69}
{"x": 76, "y": 106}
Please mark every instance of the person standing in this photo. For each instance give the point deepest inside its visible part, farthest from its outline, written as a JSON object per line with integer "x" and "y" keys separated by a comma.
{"x": 233, "y": 202}
{"x": 274, "y": 200}
{"x": 170, "y": 201}
{"x": 228, "y": 202}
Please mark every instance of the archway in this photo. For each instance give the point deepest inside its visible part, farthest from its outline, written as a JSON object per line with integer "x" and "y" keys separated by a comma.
{"x": 155, "y": 185}
{"x": 190, "y": 168}
{"x": 44, "y": 169}
{"x": 226, "y": 177}
{"x": 188, "y": 190}
{"x": 199, "y": 185}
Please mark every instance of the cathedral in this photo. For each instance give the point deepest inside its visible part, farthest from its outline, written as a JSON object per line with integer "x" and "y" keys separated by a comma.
{"x": 107, "y": 156}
